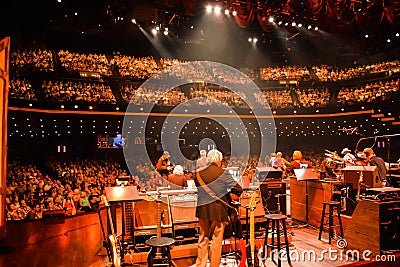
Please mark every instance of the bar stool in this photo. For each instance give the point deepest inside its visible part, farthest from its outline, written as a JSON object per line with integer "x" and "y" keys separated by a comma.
{"x": 333, "y": 205}
{"x": 159, "y": 254}
{"x": 276, "y": 220}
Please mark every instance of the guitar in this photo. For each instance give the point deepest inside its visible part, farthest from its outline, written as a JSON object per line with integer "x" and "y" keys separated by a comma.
{"x": 360, "y": 181}
{"x": 159, "y": 256}
{"x": 113, "y": 241}
{"x": 252, "y": 257}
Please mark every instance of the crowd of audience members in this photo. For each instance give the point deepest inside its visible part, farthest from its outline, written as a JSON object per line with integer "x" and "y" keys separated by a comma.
{"x": 378, "y": 91}
{"x": 84, "y": 62}
{"x": 68, "y": 91}
{"x": 32, "y": 60}
{"x": 196, "y": 72}
{"x": 21, "y": 89}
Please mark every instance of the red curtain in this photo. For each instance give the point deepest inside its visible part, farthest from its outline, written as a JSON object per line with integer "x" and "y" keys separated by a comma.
{"x": 263, "y": 19}
{"x": 392, "y": 12}
{"x": 193, "y": 7}
{"x": 245, "y": 15}
{"x": 315, "y": 6}
{"x": 370, "y": 17}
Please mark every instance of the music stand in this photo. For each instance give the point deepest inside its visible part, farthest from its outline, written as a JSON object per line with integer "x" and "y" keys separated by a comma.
{"x": 123, "y": 194}
{"x": 305, "y": 175}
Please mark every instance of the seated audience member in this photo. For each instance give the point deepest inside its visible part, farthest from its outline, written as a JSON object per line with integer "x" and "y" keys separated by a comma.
{"x": 298, "y": 161}
{"x": 94, "y": 199}
{"x": 178, "y": 179}
{"x": 84, "y": 203}
{"x": 23, "y": 210}
{"x": 69, "y": 205}
{"x": 34, "y": 214}
{"x": 12, "y": 214}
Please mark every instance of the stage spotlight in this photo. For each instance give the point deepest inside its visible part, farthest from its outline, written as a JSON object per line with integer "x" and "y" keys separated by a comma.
{"x": 154, "y": 31}
{"x": 255, "y": 40}
{"x": 165, "y": 33}
{"x": 300, "y": 25}
{"x": 227, "y": 12}
{"x": 388, "y": 40}
{"x": 309, "y": 27}
{"x": 286, "y": 23}
{"x": 234, "y": 13}
{"x": 280, "y": 22}
{"x": 397, "y": 34}
{"x": 166, "y": 29}
{"x": 133, "y": 21}
{"x": 316, "y": 28}
{"x": 366, "y": 36}
{"x": 249, "y": 40}
{"x": 217, "y": 10}
{"x": 208, "y": 8}
{"x": 293, "y": 24}
{"x": 271, "y": 19}
{"x": 76, "y": 106}
{"x": 62, "y": 106}
{"x": 157, "y": 28}
{"x": 90, "y": 107}
{"x": 59, "y": 1}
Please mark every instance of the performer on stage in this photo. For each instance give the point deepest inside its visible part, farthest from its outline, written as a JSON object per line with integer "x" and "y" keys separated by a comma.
{"x": 118, "y": 141}
{"x": 163, "y": 165}
{"x": 373, "y": 160}
{"x": 178, "y": 179}
{"x": 297, "y": 160}
{"x": 349, "y": 159}
{"x": 202, "y": 161}
{"x": 213, "y": 186}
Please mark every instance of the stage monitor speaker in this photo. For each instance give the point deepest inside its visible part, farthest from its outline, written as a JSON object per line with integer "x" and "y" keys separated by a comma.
{"x": 270, "y": 194}
{"x": 268, "y": 174}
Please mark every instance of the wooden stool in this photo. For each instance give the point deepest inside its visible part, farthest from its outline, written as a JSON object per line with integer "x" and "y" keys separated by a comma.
{"x": 276, "y": 219}
{"x": 159, "y": 254}
{"x": 333, "y": 205}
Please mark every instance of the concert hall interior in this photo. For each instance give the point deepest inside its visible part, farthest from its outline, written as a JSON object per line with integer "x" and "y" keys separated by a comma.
{"x": 200, "y": 133}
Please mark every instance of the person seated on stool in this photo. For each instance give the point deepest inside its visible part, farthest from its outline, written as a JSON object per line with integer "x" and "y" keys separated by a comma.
{"x": 373, "y": 160}
{"x": 177, "y": 179}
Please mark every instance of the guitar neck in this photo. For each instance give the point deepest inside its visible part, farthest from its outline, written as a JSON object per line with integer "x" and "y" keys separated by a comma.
{"x": 159, "y": 212}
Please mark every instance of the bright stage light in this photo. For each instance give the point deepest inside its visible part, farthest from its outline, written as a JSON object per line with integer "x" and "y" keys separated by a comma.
{"x": 294, "y": 24}
{"x": 249, "y": 40}
{"x": 234, "y": 13}
{"x": 300, "y": 25}
{"x": 286, "y": 23}
{"x": 154, "y": 31}
{"x": 208, "y": 8}
{"x": 280, "y": 22}
{"x": 157, "y": 28}
{"x": 255, "y": 40}
{"x": 271, "y": 19}
{"x": 397, "y": 34}
{"x": 226, "y": 12}
{"x": 133, "y": 21}
{"x": 388, "y": 40}
{"x": 165, "y": 33}
{"x": 316, "y": 28}
{"x": 309, "y": 27}
{"x": 366, "y": 36}
{"x": 217, "y": 10}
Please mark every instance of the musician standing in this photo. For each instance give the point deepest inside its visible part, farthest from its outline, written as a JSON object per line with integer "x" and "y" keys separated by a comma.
{"x": 213, "y": 186}
{"x": 202, "y": 161}
{"x": 163, "y": 165}
{"x": 349, "y": 159}
{"x": 373, "y": 160}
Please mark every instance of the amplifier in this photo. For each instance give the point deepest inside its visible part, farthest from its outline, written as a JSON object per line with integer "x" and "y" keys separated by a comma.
{"x": 244, "y": 200}
{"x": 273, "y": 195}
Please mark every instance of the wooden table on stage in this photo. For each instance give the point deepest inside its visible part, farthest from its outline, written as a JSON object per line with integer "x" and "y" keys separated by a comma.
{"x": 318, "y": 192}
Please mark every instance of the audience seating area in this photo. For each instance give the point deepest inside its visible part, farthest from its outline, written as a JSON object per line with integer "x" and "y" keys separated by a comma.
{"x": 131, "y": 71}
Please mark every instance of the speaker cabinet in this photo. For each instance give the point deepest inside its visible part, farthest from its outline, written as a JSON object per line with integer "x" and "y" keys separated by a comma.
{"x": 271, "y": 193}
{"x": 374, "y": 226}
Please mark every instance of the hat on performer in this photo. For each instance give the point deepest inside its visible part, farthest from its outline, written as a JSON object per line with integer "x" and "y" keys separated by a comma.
{"x": 345, "y": 150}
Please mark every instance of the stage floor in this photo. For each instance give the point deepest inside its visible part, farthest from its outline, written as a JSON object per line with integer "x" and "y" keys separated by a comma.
{"x": 305, "y": 250}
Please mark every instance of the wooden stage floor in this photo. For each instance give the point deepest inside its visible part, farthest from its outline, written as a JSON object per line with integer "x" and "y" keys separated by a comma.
{"x": 304, "y": 242}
